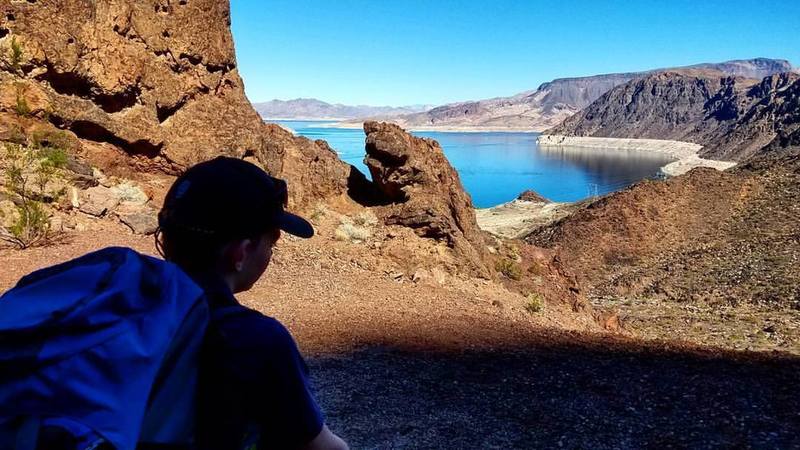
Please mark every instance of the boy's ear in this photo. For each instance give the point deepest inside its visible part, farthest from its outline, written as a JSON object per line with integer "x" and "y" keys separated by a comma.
{"x": 236, "y": 253}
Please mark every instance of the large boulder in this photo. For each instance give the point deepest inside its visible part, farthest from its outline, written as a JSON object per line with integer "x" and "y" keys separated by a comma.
{"x": 146, "y": 86}
{"x": 155, "y": 79}
{"x": 423, "y": 191}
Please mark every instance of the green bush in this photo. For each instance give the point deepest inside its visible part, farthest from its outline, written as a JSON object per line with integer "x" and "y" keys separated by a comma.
{"x": 509, "y": 268}
{"x": 27, "y": 173}
{"x": 535, "y": 303}
{"x": 22, "y": 107}
{"x": 16, "y": 53}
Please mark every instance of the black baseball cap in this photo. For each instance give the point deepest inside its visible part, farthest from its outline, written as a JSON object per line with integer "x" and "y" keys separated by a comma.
{"x": 229, "y": 198}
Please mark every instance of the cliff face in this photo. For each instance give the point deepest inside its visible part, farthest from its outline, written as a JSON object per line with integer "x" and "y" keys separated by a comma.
{"x": 150, "y": 85}
{"x": 732, "y": 118}
{"x": 156, "y": 79}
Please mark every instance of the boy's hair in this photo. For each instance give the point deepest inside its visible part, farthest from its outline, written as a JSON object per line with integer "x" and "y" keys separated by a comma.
{"x": 218, "y": 202}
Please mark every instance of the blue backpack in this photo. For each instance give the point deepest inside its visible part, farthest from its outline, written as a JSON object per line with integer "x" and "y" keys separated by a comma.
{"x": 102, "y": 349}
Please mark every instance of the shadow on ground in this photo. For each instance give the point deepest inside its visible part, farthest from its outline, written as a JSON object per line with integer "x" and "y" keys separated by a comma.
{"x": 560, "y": 395}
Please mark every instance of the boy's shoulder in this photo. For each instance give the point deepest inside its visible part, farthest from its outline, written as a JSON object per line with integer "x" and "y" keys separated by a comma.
{"x": 243, "y": 327}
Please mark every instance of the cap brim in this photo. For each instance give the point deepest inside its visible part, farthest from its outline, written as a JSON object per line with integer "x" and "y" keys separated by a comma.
{"x": 295, "y": 225}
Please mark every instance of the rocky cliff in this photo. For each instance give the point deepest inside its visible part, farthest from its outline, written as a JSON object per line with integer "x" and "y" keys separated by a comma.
{"x": 149, "y": 85}
{"x": 733, "y": 118}
{"x": 423, "y": 191}
{"x": 554, "y": 101}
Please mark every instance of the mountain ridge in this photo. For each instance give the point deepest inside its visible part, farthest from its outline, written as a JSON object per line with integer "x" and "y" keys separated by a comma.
{"x": 315, "y": 109}
{"x": 556, "y": 100}
{"x": 733, "y": 118}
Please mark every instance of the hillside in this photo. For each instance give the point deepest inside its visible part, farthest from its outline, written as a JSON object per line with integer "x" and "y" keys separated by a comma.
{"x": 313, "y": 109}
{"x": 559, "y": 99}
{"x": 733, "y": 118}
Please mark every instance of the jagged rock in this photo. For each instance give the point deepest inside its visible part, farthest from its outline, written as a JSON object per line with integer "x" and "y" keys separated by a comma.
{"x": 144, "y": 222}
{"x": 98, "y": 201}
{"x": 531, "y": 196}
{"x": 733, "y": 118}
{"x": 424, "y": 190}
{"x": 313, "y": 169}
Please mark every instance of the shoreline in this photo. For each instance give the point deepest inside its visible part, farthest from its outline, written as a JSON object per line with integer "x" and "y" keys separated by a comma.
{"x": 685, "y": 153}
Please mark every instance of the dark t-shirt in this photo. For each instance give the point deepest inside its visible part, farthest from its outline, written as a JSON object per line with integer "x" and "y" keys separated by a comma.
{"x": 254, "y": 385}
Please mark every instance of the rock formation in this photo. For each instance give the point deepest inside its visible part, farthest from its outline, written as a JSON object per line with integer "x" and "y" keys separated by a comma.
{"x": 559, "y": 99}
{"x": 532, "y": 196}
{"x": 148, "y": 85}
{"x": 733, "y": 118}
{"x": 423, "y": 191}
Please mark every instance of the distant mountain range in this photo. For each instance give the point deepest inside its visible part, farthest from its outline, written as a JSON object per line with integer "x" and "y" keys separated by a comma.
{"x": 313, "y": 109}
{"x": 559, "y": 99}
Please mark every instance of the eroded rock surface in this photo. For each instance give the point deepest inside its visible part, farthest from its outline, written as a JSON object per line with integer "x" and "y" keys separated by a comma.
{"x": 145, "y": 86}
{"x": 733, "y": 118}
{"x": 423, "y": 189}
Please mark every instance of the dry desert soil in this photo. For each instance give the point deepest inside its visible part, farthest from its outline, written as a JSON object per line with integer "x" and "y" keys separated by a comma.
{"x": 461, "y": 364}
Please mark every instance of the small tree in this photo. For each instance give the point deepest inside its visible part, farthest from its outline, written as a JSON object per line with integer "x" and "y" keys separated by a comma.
{"x": 28, "y": 170}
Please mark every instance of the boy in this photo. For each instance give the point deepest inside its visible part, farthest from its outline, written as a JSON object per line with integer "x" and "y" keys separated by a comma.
{"x": 219, "y": 223}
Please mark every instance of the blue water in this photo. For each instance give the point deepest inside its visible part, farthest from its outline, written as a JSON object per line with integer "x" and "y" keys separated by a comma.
{"x": 496, "y": 167}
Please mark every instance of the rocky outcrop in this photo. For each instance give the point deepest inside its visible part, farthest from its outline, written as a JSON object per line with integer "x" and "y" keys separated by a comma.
{"x": 145, "y": 86}
{"x": 423, "y": 191}
{"x": 313, "y": 168}
{"x": 559, "y": 99}
{"x": 532, "y": 196}
{"x": 732, "y": 118}
{"x": 157, "y": 80}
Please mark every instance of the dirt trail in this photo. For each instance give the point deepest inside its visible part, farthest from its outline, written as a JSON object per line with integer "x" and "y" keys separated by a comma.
{"x": 461, "y": 364}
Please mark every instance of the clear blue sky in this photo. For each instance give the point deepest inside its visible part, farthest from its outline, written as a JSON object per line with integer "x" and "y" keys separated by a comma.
{"x": 400, "y": 52}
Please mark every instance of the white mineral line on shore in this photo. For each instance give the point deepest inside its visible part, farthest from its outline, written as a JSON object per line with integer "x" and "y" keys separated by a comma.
{"x": 685, "y": 153}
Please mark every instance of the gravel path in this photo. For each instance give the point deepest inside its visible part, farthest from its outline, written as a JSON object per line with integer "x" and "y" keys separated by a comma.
{"x": 559, "y": 396}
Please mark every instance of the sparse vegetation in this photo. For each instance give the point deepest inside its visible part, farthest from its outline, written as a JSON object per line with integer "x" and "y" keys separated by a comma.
{"x": 534, "y": 303}
{"x": 28, "y": 171}
{"x": 352, "y": 233}
{"x": 510, "y": 268}
{"x": 16, "y": 53}
{"x": 21, "y": 107}
{"x": 319, "y": 212}
{"x": 356, "y": 229}
{"x": 365, "y": 219}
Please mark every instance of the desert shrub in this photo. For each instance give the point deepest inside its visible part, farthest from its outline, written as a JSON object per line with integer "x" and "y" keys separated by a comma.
{"x": 509, "y": 268}
{"x": 53, "y": 139}
{"x": 27, "y": 173}
{"x": 319, "y": 212}
{"x": 21, "y": 107}
{"x": 351, "y": 233}
{"x": 16, "y": 53}
{"x": 365, "y": 219}
{"x": 534, "y": 303}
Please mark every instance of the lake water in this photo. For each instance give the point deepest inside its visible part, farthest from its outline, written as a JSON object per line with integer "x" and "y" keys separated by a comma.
{"x": 496, "y": 167}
